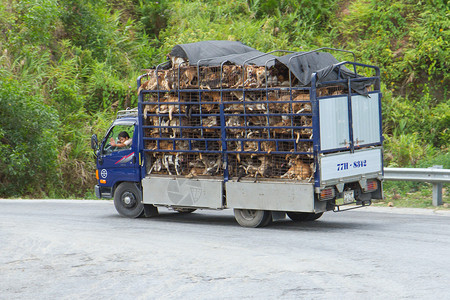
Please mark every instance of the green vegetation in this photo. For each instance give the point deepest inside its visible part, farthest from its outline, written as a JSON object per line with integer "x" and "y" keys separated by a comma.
{"x": 66, "y": 66}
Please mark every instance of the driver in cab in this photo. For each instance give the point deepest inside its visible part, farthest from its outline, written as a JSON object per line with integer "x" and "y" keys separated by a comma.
{"x": 124, "y": 140}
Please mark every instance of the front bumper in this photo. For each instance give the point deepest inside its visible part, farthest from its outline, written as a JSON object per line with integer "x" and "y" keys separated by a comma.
{"x": 103, "y": 192}
{"x": 98, "y": 193}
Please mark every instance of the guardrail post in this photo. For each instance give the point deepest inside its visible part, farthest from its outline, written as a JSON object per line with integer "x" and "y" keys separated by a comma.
{"x": 437, "y": 190}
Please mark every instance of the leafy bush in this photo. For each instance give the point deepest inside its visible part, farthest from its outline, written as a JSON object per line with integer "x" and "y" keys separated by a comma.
{"x": 405, "y": 150}
{"x": 28, "y": 141}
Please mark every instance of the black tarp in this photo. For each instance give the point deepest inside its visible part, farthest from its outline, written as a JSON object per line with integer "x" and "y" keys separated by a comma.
{"x": 304, "y": 64}
{"x": 301, "y": 64}
{"x": 213, "y": 53}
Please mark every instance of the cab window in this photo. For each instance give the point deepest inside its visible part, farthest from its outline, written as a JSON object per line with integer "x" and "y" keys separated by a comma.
{"x": 120, "y": 138}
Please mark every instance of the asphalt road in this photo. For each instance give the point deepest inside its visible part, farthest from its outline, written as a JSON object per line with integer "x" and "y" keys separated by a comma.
{"x": 69, "y": 249}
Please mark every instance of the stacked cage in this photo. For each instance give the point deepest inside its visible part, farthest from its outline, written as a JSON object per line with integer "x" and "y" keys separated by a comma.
{"x": 227, "y": 121}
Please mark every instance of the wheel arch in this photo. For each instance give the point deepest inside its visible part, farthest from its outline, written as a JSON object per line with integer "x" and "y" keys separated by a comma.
{"x": 117, "y": 183}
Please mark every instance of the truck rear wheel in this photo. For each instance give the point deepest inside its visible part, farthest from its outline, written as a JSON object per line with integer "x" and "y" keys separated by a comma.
{"x": 303, "y": 216}
{"x": 253, "y": 218}
{"x": 128, "y": 200}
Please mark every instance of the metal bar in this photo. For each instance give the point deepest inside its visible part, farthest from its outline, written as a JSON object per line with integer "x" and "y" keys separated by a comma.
{"x": 435, "y": 175}
{"x": 350, "y": 117}
{"x": 337, "y": 208}
{"x": 418, "y": 174}
{"x": 316, "y": 129}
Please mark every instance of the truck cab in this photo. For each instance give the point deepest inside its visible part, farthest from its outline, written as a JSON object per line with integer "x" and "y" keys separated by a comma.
{"x": 117, "y": 164}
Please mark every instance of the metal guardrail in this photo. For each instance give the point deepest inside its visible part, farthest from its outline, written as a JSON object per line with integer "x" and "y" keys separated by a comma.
{"x": 435, "y": 175}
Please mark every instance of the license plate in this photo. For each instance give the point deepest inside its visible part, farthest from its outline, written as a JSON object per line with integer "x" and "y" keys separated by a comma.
{"x": 349, "y": 197}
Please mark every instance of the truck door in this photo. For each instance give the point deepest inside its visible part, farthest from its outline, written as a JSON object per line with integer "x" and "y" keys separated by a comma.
{"x": 350, "y": 138}
{"x": 119, "y": 163}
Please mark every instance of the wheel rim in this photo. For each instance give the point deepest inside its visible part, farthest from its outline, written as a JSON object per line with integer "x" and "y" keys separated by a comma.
{"x": 248, "y": 214}
{"x": 128, "y": 200}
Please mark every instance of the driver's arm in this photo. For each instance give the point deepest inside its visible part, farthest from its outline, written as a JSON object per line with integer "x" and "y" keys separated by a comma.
{"x": 120, "y": 144}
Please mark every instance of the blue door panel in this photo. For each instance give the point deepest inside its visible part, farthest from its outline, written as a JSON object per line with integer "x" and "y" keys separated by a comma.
{"x": 117, "y": 166}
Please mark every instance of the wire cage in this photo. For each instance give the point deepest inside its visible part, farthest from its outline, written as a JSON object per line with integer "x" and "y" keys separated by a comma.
{"x": 255, "y": 133}
{"x": 230, "y": 121}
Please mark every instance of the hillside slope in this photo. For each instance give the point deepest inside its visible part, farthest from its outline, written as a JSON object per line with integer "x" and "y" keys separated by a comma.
{"x": 66, "y": 66}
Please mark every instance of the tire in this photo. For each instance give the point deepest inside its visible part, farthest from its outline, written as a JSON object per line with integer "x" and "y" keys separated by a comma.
{"x": 128, "y": 200}
{"x": 303, "y": 216}
{"x": 253, "y": 218}
{"x": 184, "y": 210}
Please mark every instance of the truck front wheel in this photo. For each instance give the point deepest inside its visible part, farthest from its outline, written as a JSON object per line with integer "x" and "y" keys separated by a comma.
{"x": 253, "y": 218}
{"x": 128, "y": 200}
{"x": 303, "y": 216}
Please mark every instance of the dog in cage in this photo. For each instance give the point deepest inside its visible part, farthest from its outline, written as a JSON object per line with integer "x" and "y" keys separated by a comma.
{"x": 284, "y": 121}
{"x": 298, "y": 169}
{"x": 211, "y": 78}
{"x": 152, "y": 83}
{"x": 169, "y": 106}
{"x": 254, "y": 166}
{"x": 205, "y": 165}
{"x": 171, "y": 160}
{"x": 209, "y": 122}
{"x": 188, "y": 76}
{"x": 210, "y": 97}
{"x": 176, "y": 60}
{"x": 268, "y": 146}
{"x": 231, "y": 75}
{"x": 156, "y": 166}
{"x": 235, "y": 121}
{"x": 251, "y": 145}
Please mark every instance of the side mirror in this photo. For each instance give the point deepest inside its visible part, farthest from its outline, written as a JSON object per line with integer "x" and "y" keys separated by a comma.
{"x": 94, "y": 142}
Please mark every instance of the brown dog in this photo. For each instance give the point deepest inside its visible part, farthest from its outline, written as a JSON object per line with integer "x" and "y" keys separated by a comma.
{"x": 298, "y": 170}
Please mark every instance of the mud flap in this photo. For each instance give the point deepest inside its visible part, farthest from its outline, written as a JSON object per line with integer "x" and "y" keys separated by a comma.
{"x": 150, "y": 210}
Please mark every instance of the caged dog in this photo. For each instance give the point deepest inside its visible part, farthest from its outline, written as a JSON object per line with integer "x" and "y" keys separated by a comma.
{"x": 209, "y": 122}
{"x": 176, "y": 61}
{"x": 152, "y": 82}
{"x": 171, "y": 162}
{"x": 210, "y": 78}
{"x": 162, "y": 81}
{"x": 231, "y": 75}
{"x": 169, "y": 106}
{"x": 214, "y": 97}
{"x": 298, "y": 169}
{"x": 188, "y": 76}
{"x": 205, "y": 165}
{"x": 254, "y": 166}
{"x": 279, "y": 127}
{"x": 235, "y": 121}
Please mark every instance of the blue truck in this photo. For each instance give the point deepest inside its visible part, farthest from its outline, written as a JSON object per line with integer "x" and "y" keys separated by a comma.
{"x": 220, "y": 125}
